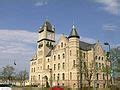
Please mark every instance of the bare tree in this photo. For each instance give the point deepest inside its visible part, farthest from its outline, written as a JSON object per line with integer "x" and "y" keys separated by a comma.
{"x": 88, "y": 72}
{"x": 7, "y": 73}
{"x": 22, "y": 76}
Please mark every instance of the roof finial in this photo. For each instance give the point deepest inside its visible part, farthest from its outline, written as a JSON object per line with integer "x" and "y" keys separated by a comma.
{"x": 46, "y": 19}
{"x": 73, "y": 26}
{"x": 73, "y": 32}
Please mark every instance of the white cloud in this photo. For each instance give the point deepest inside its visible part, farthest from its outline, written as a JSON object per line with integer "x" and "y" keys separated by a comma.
{"x": 18, "y": 45}
{"x": 111, "y": 27}
{"x": 41, "y": 3}
{"x": 111, "y": 6}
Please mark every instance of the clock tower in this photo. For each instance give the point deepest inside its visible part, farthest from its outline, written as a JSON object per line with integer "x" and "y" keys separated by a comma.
{"x": 46, "y": 41}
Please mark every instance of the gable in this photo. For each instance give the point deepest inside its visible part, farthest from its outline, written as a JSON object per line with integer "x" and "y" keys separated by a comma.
{"x": 62, "y": 42}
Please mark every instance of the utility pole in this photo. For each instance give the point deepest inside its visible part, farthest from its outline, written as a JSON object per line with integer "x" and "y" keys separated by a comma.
{"x": 109, "y": 59}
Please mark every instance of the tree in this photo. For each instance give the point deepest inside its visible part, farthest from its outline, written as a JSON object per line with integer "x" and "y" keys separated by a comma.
{"x": 115, "y": 60}
{"x": 7, "y": 73}
{"x": 88, "y": 72}
{"x": 22, "y": 76}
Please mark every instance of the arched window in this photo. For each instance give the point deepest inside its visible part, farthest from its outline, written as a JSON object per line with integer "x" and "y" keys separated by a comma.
{"x": 48, "y": 59}
{"x": 95, "y": 57}
{"x": 54, "y": 66}
{"x": 63, "y": 76}
{"x": 63, "y": 55}
{"x": 58, "y": 77}
{"x": 73, "y": 63}
{"x": 39, "y": 77}
{"x": 83, "y": 55}
{"x": 63, "y": 65}
{"x": 58, "y": 66}
{"x": 70, "y": 75}
{"x": 96, "y": 65}
{"x": 99, "y": 58}
{"x": 70, "y": 53}
{"x": 61, "y": 44}
{"x": 102, "y": 58}
{"x": 58, "y": 56}
{"x": 54, "y": 77}
{"x": 99, "y": 65}
{"x": 54, "y": 57}
{"x": 34, "y": 69}
{"x": 48, "y": 67}
{"x": 97, "y": 76}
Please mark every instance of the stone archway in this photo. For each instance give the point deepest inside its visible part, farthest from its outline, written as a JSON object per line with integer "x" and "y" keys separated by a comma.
{"x": 45, "y": 81}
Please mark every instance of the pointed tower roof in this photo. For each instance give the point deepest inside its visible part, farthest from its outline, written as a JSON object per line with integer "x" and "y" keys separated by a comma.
{"x": 73, "y": 32}
{"x": 48, "y": 25}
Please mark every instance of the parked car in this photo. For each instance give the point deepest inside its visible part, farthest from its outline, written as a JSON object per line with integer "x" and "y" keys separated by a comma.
{"x": 56, "y": 88}
{"x": 5, "y": 87}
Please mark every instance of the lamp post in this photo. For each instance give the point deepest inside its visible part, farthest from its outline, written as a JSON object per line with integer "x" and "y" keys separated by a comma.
{"x": 108, "y": 58}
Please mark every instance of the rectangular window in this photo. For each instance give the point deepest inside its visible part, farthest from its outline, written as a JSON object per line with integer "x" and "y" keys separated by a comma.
{"x": 63, "y": 55}
{"x": 54, "y": 66}
{"x": 63, "y": 65}
{"x": 58, "y": 77}
{"x": 58, "y": 56}
{"x": 73, "y": 63}
{"x": 54, "y": 77}
{"x": 97, "y": 76}
{"x": 63, "y": 76}
{"x": 58, "y": 66}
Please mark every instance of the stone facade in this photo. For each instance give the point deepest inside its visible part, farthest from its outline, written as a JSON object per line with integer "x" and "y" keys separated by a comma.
{"x": 68, "y": 61}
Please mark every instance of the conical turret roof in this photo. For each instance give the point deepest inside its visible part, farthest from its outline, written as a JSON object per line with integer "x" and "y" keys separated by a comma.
{"x": 73, "y": 32}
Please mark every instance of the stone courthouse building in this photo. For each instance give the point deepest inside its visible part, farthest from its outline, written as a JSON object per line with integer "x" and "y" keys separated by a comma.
{"x": 66, "y": 62}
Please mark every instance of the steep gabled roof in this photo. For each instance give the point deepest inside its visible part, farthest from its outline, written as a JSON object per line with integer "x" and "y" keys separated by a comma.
{"x": 86, "y": 46}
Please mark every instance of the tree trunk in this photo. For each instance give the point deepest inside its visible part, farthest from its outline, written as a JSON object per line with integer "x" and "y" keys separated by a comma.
{"x": 89, "y": 83}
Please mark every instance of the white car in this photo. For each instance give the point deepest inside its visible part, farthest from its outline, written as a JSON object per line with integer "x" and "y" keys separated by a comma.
{"x": 5, "y": 87}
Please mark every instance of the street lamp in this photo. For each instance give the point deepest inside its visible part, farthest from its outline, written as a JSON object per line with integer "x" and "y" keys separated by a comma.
{"x": 108, "y": 58}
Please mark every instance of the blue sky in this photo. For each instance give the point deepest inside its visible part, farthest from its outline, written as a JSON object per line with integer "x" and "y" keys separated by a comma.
{"x": 20, "y": 20}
